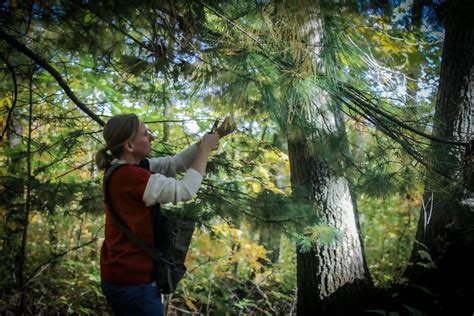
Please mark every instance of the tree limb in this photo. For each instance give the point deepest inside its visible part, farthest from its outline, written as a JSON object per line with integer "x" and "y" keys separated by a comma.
{"x": 264, "y": 52}
{"x": 356, "y": 97}
{"x": 56, "y": 75}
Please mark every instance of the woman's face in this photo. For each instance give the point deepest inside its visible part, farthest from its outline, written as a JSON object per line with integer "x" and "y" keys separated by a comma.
{"x": 142, "y": 142}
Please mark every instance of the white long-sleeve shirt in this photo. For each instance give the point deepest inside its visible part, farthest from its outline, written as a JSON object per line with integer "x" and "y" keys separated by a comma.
{"x": 163, "y": 187}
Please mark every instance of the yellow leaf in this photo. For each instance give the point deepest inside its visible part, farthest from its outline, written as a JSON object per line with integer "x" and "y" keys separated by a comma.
{"x": 256, "y": 187}
{"x": 190, "y": 304}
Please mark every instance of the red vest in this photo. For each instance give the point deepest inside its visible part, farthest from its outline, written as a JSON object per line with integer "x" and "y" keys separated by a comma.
{"x": 121, "y": 262}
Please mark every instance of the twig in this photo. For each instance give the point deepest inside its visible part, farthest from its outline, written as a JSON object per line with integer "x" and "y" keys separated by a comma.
{"x": 182, "y": 310}
{"x": 73, "y": 169}
{"x": 293, "y": 304}
{"x": 427, "y": 215}
{"x": 267, "y": 301}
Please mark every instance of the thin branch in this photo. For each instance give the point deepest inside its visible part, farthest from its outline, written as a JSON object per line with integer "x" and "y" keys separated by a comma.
{"x": 28, "y": 196}
{"x": 360, "y": 100}
{"x": 179, "y": 121}
{"x": 387, "y": 131}
{"x": 45, "y": 65}
{"x": 253, "y": 38}
{"x": 15, "y": 94}
{"x": 136, "y": 41}
{"x": 62, "y": 254}
{"x": 72, "y": 170}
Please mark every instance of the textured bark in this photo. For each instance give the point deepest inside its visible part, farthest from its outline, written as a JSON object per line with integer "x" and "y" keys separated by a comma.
{"x": 333, "y": 278}
{"x": 446, "y": 225}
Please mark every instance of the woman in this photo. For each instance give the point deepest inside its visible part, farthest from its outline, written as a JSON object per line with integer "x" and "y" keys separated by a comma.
{"x": 126, "y": 271}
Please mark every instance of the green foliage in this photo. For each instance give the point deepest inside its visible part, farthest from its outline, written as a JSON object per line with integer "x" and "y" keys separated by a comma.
{"x": 378, "y": 184}
{"x": 190, "y": 62}
{"x": 388, "y": 226}
{"x": 227, "y": 272}
{"x": 316, "y": 235}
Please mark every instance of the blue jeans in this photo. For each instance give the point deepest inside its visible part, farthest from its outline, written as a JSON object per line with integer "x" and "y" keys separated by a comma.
{"x": 143, "y": 299}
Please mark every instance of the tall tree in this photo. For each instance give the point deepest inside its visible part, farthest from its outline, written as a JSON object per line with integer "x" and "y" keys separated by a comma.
{"x": 290, "y": 60}
{"x": 332, "y": 276}
{"x": 440, "y": 260}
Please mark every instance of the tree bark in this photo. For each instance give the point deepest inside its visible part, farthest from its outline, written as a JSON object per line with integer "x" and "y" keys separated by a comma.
{"x": 332, "y": 278}
{"x": 414, "y": 68}
{"x": 446, "y": 225}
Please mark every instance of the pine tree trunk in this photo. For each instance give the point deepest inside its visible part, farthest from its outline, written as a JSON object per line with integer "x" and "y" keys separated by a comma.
{"x": 446, "y": 226}
{"x": 331, "y": 278}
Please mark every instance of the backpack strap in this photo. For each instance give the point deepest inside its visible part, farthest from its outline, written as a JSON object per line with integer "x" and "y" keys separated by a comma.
{"x": 151, "y": 251}
{"x": 156, "y": 221}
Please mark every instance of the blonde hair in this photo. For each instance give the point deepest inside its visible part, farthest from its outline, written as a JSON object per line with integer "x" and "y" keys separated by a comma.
{"x": 117, "y": 131}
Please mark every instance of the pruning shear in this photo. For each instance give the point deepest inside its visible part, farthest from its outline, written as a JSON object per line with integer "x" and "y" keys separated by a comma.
{"x": 214, "y": 127}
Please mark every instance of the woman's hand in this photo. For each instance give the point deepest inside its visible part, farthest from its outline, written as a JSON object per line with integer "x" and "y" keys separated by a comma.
{"x": 210, "y": 142}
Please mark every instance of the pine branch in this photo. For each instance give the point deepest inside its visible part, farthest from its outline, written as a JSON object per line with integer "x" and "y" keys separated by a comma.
{"x": 115, "y": 27}
{"x": 356, "y": 97}
{"x": 72, "y": 170}
{"x": 391, "y": 134}
{"x": 45, "y": 65}
{"x": 264, "y": 52}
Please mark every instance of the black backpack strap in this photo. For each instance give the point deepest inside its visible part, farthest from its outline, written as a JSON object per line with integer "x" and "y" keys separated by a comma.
{"x": 156, "y": 221}
{"x": 145, "y": 164}
{"x": 151, "y": 251}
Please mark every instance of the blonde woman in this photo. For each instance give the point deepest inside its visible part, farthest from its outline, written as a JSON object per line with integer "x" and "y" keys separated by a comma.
{"x": 127, "y": 271}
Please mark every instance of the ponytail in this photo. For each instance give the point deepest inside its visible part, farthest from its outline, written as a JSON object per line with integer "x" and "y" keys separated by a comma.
{"x": 103, "y": 159}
